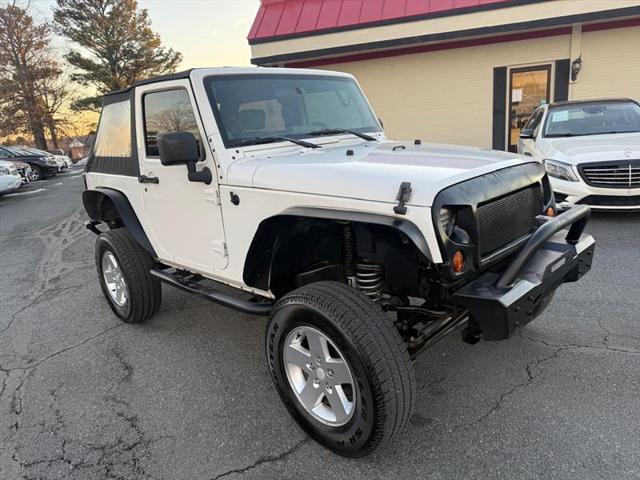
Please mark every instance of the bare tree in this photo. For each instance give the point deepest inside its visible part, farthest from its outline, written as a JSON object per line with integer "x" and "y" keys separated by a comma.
{"x": 56, "y": 93}
{"x": 177, "y": 119}
{"x": 25, "y": 60}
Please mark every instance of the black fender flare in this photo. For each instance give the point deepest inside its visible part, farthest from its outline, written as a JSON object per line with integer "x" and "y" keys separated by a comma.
{"x": 99, "y": 205}
{"x": 260, "y": 254}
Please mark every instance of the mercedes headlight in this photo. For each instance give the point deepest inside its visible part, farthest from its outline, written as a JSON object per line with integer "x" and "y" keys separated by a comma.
{"x": 50, "y": 161}
{"x": 447, "y": 220}
{"x": 560, "y": 170}
{"x": 4, "y": 170}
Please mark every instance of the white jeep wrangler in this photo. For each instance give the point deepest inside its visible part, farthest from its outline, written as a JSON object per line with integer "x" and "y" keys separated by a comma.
{"x": 362, "y": 251}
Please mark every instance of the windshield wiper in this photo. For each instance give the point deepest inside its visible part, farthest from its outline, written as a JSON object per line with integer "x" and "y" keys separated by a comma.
{"x": 333, "y": 131}
{"x": 274, "y": 138}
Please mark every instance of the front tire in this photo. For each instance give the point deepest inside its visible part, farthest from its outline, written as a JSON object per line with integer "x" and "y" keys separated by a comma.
{"x": 123, "y": 270}
{"x": 340, "y": 367}
{"x": 36, "y": 173}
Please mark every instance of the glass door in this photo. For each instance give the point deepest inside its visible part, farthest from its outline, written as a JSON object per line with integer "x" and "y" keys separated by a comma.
{"x": 529, "y": 87}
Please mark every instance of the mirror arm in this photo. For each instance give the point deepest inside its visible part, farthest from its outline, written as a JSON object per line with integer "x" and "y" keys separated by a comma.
{"x": 203, "y": 176}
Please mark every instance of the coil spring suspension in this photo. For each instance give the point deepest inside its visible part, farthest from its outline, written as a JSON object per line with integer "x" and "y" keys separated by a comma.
{"x": 369, "y": 279}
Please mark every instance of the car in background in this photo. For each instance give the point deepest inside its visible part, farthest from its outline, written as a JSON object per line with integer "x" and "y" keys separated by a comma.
{"x": 60, "y": 154}
{"x": 42, "y": 166}
{"x": 58, "y": 158}
{"x": 23, "y": 168}
{"x": 10, "y": 179}
{"x": 590, "y": 149}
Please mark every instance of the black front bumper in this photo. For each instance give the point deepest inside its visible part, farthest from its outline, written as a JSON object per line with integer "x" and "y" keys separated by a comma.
{"x": 556, "y": 253}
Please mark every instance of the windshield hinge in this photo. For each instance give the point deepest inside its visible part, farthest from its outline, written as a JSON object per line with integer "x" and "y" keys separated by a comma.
{"x": 220, "y": 247}
{"x": 404, "y": 195}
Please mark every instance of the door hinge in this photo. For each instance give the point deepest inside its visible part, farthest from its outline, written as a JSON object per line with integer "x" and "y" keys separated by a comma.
{"x": 213, "y": 197}
{"x": 220, "y": 247}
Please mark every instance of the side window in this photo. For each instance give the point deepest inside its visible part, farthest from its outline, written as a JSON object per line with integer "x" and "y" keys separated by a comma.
{"x": 534, "y": 121}
{"x": 113, "y": 139}
{"x": 4, "y": 154}
{"x": 168, "y": 111}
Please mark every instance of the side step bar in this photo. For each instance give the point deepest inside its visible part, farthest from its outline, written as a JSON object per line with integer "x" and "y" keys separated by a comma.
{"x": 191, "y": 286}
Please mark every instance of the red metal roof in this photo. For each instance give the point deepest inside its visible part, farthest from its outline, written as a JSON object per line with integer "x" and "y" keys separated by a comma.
{"x": 277, "y": 18}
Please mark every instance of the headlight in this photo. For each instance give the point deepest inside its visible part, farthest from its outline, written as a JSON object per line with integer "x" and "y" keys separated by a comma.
{"x": 50, "y": 161}
{"x": 447, "y": 220}
{"x": 560, "y": 170}
{"x": 4, "y": 171}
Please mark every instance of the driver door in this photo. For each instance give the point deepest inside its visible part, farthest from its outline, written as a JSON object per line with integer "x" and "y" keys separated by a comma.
{"x": 183, "y": 218}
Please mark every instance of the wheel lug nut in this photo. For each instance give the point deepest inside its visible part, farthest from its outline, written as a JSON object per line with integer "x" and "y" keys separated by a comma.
{"x": 330, "y": 372}
{"x": 319, "y": 359}
{"x": 310, "y": 366}
{"x": 328, "y": 387}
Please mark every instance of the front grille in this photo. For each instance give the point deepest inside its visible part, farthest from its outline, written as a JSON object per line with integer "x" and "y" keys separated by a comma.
{"x": 617, "y": 174}
{"x": 611, "y": 201}
{"x": 503, "y": 220}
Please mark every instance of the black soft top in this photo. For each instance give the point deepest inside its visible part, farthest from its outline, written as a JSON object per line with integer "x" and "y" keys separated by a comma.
{"x": 160, "y": 78}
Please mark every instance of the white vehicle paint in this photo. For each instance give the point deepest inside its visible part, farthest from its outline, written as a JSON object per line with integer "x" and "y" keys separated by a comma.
{"x": 281, "y": 182}
{"x": 10, "y": 179}
{"x": 589, "y": 165}
{"x": 282, "y": 175}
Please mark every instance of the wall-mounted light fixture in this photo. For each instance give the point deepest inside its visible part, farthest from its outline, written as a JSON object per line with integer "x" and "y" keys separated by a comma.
{"x": 576, "y": 66}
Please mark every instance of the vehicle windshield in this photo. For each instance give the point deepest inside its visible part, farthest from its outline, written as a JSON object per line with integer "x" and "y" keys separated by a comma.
{"x": 4, "y": 153}
{"x": 254, "y": 106}
{"x": 596, "y": 118}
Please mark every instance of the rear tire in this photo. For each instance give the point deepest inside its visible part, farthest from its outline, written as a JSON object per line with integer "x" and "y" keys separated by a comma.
{"x": 123, "y": 270}
{"x": 377, "y": 387}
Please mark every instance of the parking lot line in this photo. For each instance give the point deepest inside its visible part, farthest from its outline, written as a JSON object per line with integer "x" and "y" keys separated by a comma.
{"x": 25, "y": 193}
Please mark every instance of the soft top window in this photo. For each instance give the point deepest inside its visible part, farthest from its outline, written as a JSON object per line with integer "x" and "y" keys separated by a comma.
{"x": 114, "y": 131}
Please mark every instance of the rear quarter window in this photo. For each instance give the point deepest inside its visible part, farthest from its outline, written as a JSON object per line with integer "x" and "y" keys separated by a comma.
{"x": 114, "y": 132}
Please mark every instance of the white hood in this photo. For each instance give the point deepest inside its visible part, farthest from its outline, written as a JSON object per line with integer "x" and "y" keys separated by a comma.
{"x": 593, "y": 148}
{"x": 374, "y": 171}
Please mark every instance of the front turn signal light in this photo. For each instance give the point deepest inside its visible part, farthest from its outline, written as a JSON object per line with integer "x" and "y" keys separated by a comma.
{"x": 458, "y": 262}
{"x": 551, "y": 212}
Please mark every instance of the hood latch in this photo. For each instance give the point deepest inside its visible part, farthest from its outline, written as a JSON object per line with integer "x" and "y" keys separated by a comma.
{"x": 404, "y": 195}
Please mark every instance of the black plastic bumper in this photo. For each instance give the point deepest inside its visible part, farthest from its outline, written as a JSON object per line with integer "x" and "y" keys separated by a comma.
{"x": 498, "y": 302}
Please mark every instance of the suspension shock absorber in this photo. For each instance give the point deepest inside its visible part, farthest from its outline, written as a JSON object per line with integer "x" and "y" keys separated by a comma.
{"x": 370, "y": 279}
{"x": 347, "y": 254}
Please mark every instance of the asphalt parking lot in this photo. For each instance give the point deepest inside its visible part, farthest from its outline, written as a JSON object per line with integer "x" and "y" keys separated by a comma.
{"x": 188, "y": 396}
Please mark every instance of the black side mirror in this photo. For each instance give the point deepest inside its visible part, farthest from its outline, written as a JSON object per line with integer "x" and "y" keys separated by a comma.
{"x": 182, "y": 148}
{"x": 526, "y": 133}
{"x": 179, "y": 147}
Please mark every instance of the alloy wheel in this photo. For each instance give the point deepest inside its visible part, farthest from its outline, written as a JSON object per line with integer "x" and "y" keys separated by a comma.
{"x": 319, "y": 376}
{"x": 114, "y": 279}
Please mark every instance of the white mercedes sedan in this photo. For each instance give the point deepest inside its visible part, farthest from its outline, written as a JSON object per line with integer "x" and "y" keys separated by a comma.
{"x": 591, "y": 150}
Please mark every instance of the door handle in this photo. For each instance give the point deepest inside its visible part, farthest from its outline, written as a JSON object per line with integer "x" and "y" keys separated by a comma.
{"x": 145, "y": 179}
